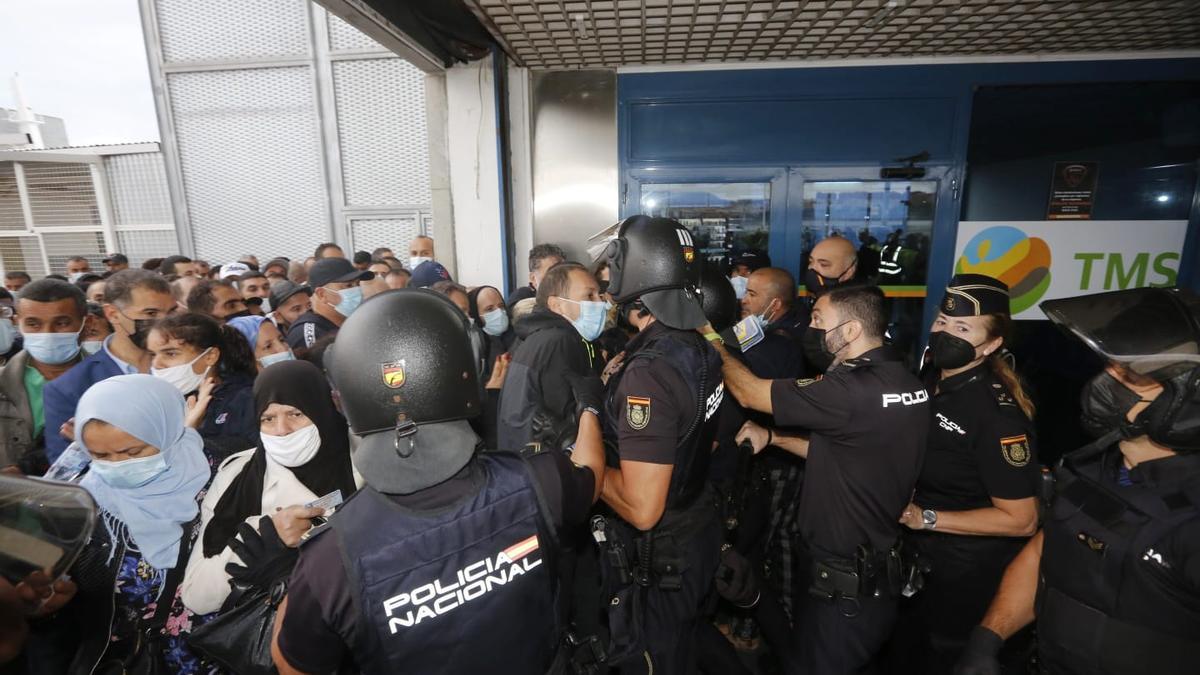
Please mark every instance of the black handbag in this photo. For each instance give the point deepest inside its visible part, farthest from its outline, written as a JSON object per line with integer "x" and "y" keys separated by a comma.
{"x": 239, "y": 639}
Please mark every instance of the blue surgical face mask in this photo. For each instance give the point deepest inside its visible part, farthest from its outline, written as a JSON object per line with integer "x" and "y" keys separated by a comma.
{"x": 52, "y": 348}
{"x": 739, "y": 286}
{"x": 8, "y": 334}
{"x": 90, "y": 347}
{"x": 591, "y": 318}
{"x": 131, "y": 473}
{"x": 495, "y": 322}
{"x": 271, "y": 359}
{"x": 351, "y": 299}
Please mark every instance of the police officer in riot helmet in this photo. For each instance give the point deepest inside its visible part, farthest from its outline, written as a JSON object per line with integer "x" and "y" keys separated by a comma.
{"x": 1113, "y": 577}
{"x": 444, "y": 561}
{"x": 660, "y": 424}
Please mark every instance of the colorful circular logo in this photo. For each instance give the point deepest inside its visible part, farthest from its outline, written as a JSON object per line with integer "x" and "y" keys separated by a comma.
{"x": 1007, "y": 254}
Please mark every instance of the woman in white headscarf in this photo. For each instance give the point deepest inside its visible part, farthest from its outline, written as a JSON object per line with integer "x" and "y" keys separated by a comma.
{"x": 147, "y": 474}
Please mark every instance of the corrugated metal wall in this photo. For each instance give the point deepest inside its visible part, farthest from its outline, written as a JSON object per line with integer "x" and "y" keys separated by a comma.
{"x": 52, "y": 210}
{"x": 285, "y": 127}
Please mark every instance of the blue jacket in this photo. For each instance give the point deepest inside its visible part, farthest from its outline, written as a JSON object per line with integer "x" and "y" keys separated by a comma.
{"x": 61, "y": 395}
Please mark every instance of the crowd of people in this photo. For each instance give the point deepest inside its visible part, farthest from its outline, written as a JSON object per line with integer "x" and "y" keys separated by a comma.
{"x": 646, "y": 462}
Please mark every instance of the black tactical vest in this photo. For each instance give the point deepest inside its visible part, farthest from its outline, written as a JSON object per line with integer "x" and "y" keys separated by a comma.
{"x": 1109, "y": 601}
{"x": 700, "y": 367}
{"x": 469, "y": 589}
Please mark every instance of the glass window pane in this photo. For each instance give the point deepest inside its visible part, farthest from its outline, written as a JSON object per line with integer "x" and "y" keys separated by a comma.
{"x": 889, "y": 222}
{"x": 724, "y": 218}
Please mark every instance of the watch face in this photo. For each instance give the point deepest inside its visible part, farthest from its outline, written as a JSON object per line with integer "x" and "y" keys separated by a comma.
{"x": 929, "y": 516}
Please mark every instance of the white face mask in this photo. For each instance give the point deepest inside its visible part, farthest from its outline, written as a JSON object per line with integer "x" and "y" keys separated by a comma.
{"x": 739, "y": 286}
{"x": 415, "y": 261}
{"x": 182, "y": 377}
{"x": 295, "y": 449}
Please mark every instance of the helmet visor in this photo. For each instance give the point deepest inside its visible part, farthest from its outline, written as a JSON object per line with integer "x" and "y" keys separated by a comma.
{"x": 1151, "y": 331}
{"x": 43, "y": 526}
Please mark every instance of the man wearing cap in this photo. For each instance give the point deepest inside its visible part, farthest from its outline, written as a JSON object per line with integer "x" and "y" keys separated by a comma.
{"x": 661, "y": 422}
{"x": 448, "y": 559}
{"x": 742, "y": 266}
{"x": 115, "y": 262}
{"x": 287, "y": 302}
{"x": 428, "y": 273}
{"x": 336, "y": 295}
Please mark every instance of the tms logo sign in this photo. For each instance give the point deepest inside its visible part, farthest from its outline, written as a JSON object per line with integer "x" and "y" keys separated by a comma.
{"x": 907, "y": 398}
{"x": 1008, "y": 254}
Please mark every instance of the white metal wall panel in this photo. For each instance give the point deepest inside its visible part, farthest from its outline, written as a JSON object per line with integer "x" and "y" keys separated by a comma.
{"x": 208, "y": 30}
{"x": 63, "y": 245}
{"x": 251, "y": 160}
{"x": 368, "y": 234}
{"x": 11, "y": 215}
{"x": 22, "y": 253}
{"x": 142, "y": 244}
{"x": 137, "y": 186}
{"x": 344, "y": 37}
{"x": 381, "y": 128}
{"x": 61, "y": 194}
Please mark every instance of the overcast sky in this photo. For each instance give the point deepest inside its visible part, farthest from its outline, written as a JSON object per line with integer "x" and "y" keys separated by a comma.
{"x": 83, "y": 61}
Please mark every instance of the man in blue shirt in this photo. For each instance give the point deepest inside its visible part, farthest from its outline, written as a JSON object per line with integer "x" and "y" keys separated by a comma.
{"x": 133, "y": 301}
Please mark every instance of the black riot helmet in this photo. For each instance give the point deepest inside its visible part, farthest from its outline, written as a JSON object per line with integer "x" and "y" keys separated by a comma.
{"x": 654, "y": 260}
{"x": 405, "y": 368}
{"x": 1150, "y": 332}
{"x": 718, "y": 299}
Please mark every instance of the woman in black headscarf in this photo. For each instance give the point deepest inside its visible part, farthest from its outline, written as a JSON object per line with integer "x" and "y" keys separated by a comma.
{"x": 303, "y": 454}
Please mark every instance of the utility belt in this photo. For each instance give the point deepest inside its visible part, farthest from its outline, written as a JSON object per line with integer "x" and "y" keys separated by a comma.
{"x": 657, "y": 557}
{"x": 632, "y": 562}
{"x": 869, "y": 574}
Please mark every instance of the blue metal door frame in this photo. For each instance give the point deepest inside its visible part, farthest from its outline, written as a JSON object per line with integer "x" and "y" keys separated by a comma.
{"x": 728, "y": 105}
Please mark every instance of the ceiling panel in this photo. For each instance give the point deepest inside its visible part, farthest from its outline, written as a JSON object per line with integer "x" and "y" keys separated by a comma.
{"x": 609, "y": 33}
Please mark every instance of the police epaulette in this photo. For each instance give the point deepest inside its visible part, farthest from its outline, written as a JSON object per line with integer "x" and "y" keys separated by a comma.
{"x": 1003, "y": 398}
{"x": 854, "y": 363}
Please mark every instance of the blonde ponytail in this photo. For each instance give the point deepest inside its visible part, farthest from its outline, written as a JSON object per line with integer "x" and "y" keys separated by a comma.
{"x": 999, "y": 326}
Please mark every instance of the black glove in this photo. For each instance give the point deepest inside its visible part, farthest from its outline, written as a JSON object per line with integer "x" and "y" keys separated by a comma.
{"x": 736, "y": 581}
{"x": 979, "y": 656}
{"x": 265, "y": 558}
{"x": 588, "y": 392}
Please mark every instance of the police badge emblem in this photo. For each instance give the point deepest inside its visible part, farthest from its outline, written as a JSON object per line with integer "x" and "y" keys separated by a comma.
{"x": 393, "y": 374}
{"x": 637, "y": 412}
{"x": 1015, "y": 450}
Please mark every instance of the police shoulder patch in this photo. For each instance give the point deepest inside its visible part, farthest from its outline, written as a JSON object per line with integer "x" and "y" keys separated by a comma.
{"x": 1015, "y": 450}
{"x": 637, "y": 412}
{"x": 1003, "y": 398}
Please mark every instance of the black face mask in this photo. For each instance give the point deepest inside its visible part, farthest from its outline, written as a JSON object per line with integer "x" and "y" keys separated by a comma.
{"x": 818, "y": 284}
{"x": 244, "y": 312}
{"x": 141, "y": 329}
{"x": 947, "y": 352}
{"x": 1105, "y": 407}
{"x": 816, "y": 351}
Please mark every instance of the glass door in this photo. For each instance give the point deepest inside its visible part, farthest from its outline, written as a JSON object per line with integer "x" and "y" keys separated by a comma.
{"x": 728, "y": 211}
{"x": 891, "y": 225}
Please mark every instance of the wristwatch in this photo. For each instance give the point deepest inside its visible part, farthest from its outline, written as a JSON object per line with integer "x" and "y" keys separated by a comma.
{"x": 929, "y": 517}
